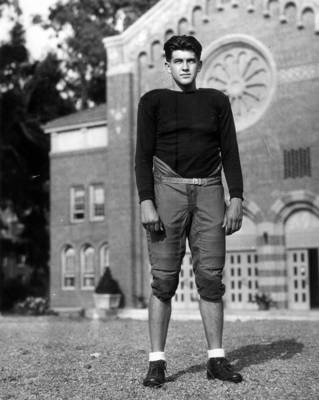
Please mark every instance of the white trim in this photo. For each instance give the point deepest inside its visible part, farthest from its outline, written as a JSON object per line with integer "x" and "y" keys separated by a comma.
{"x": 66, "y": 128}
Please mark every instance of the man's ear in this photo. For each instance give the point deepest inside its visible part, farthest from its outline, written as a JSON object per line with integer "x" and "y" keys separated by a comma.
{"x": 200, "y": 64}
{"x": 168, "y": 67}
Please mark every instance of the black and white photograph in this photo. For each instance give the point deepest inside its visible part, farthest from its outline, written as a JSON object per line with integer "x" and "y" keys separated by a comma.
{"x": 159, "y": 199}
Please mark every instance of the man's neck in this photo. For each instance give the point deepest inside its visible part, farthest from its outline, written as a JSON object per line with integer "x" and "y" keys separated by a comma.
{"x": 184, "y": 88}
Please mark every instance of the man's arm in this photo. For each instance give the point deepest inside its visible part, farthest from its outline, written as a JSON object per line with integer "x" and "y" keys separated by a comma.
{"x": 149, "y": 216}
{"x": 233, "y": 216}
{"x": 145, "y": 149}
{"x": 232, "y": 168}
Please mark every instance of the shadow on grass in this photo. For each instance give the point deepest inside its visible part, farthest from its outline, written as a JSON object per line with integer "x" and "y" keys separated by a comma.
{"x": 251, "y": 355}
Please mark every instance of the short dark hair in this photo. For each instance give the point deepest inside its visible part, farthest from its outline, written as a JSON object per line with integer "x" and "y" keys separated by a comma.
{"x": 182, "y": 42}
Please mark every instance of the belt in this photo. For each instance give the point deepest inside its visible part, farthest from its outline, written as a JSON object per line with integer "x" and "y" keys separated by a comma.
{"x": 191, "y": 181}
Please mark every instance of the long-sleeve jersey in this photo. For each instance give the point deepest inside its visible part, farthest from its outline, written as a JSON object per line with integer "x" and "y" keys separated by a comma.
{"x": 193, "y": 132}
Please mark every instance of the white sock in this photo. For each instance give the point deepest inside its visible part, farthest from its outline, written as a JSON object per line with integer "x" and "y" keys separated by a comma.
{"x": 157, "y": 355}
{"x": 214, "y": 353}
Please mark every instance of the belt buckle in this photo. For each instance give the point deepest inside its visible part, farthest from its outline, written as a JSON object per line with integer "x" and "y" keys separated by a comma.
{"x": 197, "y": 181}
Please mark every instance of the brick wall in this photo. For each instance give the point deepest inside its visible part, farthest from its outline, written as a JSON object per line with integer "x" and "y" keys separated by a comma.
{"x": 70, "y": 169}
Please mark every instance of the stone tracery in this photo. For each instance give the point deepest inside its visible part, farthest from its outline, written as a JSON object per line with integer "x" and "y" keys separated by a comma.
{"x": 244, "y": 70}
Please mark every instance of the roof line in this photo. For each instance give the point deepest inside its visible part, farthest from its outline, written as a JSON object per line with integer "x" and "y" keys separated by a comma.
{"x": 65, "y": 128}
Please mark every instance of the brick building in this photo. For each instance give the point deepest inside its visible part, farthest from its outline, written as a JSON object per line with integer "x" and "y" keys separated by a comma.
{"x": 78, "y": 225}
{"x": 265, "y": 56}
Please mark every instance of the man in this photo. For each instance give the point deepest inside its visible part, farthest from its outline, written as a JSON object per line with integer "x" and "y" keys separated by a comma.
{"x": 185, "y": 136}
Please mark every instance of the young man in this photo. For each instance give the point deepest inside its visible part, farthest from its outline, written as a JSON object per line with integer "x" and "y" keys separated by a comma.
{"x": 185, "y": 136}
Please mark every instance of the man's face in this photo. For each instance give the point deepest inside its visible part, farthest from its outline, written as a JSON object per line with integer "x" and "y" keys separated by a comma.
{"x": 184, "y": 67}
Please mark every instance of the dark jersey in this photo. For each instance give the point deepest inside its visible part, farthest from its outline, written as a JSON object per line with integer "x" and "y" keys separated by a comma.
{"x": 193, "y": 132}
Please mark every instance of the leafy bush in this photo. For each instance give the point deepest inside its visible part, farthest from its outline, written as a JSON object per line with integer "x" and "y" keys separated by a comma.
{"x": 106, "y": 284}
{"x": 33, "y": 306}
{"x": 264, "y": 301}
{"x": 17, "y": 289}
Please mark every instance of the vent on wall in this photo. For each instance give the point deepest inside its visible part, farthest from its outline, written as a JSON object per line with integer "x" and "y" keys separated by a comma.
{"x": 297, "y": 163}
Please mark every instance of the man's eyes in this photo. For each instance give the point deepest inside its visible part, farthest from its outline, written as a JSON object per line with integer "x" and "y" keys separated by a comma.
{"x": 192, "y": 61}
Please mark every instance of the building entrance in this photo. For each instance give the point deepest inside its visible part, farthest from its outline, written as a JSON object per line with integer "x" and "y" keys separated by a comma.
{"x": 302, "y": 242}
{"x": 314, "y": 277}
{"x": 303, "y": 276}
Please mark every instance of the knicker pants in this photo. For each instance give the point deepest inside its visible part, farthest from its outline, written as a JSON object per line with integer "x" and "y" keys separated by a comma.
{"x": 188, "y": 211}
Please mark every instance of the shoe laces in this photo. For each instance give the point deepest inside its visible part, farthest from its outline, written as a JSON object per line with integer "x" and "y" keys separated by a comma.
{"x": 158, "y": 365}
{"x": 226, "y": 364}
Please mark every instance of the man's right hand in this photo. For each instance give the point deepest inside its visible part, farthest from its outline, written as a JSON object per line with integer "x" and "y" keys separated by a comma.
{"x": 149, "y": 217}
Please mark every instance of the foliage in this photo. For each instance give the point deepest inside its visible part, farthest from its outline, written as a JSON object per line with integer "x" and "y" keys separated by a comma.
{"x": 14, "y": 289}
{"x": 80, "y": 26}
{"x": 140, "y": 301}
{"x": 34, "y": 306}
{"x": 18, "y": 288}
{"x": 264, "y": 301}
{"x": 9, "y": 4}
{"x": 106, "y": 284}
{"x": 28, "y": 98}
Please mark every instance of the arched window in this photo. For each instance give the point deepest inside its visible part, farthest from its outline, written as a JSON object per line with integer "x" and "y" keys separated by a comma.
{"x": 104, "y": 258}
{"x": 68, "y": 268}
{"x": 302, "y": 242}
{"x": 302, "y": 230}
{"x": 88, "y": 267}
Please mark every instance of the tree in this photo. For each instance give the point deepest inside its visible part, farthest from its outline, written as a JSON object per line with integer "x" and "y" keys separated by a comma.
{"x": 9, "y": 4}
{"x": 28, "y": 98}
{"x": 87, "y": 23}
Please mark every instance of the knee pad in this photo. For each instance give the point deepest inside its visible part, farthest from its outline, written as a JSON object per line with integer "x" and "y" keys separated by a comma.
{"x": 209, "y": 285}
{"x": 164, "y": 289}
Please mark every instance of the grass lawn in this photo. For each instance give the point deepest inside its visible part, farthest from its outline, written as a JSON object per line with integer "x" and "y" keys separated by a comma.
{"x": 56, "y": 358}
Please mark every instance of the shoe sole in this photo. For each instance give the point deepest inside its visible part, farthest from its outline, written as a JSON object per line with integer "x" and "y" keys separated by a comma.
{"x": 210, "y": 376}
{"x": 153, "y": 385}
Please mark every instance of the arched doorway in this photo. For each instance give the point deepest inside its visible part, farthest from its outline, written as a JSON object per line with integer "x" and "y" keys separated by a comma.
{"x": 302, "y": 243}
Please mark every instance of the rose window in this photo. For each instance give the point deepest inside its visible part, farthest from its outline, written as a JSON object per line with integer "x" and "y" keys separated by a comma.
{"x": 246, "y": 73}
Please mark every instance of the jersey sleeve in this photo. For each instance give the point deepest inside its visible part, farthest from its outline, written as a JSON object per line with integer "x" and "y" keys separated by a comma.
{"x": 229, "y": 150}
{"x": 145, "y": 148}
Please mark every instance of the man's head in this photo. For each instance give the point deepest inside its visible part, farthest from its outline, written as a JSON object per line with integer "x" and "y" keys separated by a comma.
{"x": 182, "y": 42}
{"x": 183, "y": 60}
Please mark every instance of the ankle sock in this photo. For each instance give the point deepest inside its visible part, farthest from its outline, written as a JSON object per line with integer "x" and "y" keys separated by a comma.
{"x": 214, "y": 353}
{"x": 157, "y": 355}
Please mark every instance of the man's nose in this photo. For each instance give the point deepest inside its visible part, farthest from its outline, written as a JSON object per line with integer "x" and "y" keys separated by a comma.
{"x": 185, "y": 65}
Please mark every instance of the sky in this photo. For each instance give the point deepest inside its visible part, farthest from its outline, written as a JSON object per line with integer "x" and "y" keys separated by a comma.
{"x": 38, "y": 40}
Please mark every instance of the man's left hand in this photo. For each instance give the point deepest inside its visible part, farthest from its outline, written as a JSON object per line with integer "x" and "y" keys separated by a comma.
{"x": 233, "y": 216}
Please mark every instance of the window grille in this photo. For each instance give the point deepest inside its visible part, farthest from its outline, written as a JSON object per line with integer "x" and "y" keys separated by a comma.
{"x": 68, "y": 268}
{"x": 87, "y": 267}
{"x": 104, "y": 258}
{"x": 297, "y": 163}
